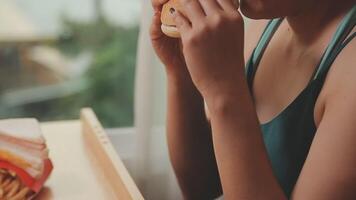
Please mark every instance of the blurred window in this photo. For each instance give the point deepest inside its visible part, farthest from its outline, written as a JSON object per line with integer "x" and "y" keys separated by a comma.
{"x": 61, "y": 55}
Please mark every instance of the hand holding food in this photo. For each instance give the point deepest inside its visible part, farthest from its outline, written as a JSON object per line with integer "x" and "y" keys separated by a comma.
{"x": 168, "y": 24}
{"x": 168, "y": 49}
{"x": 212, "y": 33}
{"x": 24, "y": 161}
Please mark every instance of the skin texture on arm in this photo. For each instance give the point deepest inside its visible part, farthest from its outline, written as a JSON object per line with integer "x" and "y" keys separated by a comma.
{"x": 214, "y": 58}
{"x": 329, "y": 171}
{"x": 244, "y": 173}
{"x": 245, "y": 170}
{"x": 188, "y": 132}
{"x": 190, "y": 143}
{"x": 253, "y": 31}
{"x": 189, "y": 135}
{"x": 242, "y": 159}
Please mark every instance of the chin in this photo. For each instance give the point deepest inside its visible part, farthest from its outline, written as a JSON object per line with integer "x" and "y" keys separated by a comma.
{"x": 260, "y": 9}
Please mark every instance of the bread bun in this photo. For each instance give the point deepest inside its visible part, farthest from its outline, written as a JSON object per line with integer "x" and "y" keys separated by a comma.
{"x": 168, "y": 26}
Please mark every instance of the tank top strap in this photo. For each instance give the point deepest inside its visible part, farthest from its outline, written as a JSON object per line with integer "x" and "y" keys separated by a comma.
{"x": 340, "y": 39}
{"x": 333, "y": 57}
{"x": 262, "y": 44}
{"x": 266, "y": 37}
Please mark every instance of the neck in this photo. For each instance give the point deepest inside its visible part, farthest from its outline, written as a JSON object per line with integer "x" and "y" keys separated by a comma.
{"x": 307, "y": 25}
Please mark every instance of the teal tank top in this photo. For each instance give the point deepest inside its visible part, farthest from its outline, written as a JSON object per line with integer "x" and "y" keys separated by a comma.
{"x": 288, "y": 136}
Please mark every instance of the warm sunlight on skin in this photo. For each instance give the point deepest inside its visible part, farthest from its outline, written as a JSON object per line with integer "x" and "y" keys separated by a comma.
{"x": 229, "y": 155}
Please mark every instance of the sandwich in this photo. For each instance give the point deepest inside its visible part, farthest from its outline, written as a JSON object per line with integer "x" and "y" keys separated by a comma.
{"x": 168, "y": 25}
{"x": 24, "y": 161}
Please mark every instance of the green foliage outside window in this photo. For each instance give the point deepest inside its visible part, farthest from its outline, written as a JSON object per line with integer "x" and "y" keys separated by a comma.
{"x": 111, "y": 76}
{"x": 108, "y": 83}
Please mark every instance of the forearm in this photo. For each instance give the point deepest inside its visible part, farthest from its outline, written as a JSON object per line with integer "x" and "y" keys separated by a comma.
{"x": 190, "y": 142}
{"x": 243, "y": 163}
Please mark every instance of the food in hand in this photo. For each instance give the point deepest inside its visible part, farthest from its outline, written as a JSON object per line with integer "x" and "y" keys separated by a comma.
{"x": 168, "y": 25}
{"x": 24, "y": 161}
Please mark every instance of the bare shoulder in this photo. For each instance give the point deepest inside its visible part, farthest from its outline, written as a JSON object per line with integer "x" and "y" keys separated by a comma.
{"x": 254, "y": 30}
{"x": 341, "y": 78}
{"x": 339, "y": 89}
{"x": 335, "y": 139}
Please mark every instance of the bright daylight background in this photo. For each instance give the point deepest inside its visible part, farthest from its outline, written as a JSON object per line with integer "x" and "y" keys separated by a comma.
{"x": 57, "y": 56}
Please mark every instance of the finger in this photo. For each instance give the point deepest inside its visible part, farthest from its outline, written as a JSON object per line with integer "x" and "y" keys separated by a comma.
{"x": 210, "y": 6}
{"x": 182, "y": 24}
{"x": 229, "y": 5}
{"x": 193, "y": 10}
{"x": 157, "y": 4}
{"x": 155, "y": 29}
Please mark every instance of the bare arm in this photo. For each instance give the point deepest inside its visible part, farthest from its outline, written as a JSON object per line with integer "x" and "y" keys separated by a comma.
{"x": 242, "y": 160}
{"x": 189, "y": 133}
{"x": 241, "y": 155}
{"x": 329, "y": 171}
{"x": 190, "y": 142}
